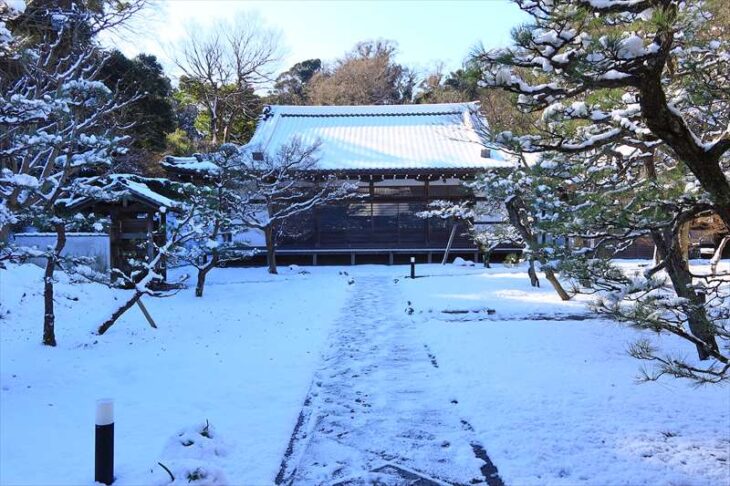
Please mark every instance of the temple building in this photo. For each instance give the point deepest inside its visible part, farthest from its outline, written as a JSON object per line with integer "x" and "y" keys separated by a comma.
{"x": 402, "y": 157}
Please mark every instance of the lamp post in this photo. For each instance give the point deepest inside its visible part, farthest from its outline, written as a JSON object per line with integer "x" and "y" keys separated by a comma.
{"x": 413, "y": 267}
{"x": 104, "y": 453}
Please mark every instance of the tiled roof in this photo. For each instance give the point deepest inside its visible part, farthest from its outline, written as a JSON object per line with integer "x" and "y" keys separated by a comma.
{"x": 117, "y": 187}
{"x": 436, "y": 136}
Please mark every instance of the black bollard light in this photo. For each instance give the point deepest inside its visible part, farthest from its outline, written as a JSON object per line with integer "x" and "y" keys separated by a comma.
{"x": 104, "y": 457}
{"x": 413, "y": 267}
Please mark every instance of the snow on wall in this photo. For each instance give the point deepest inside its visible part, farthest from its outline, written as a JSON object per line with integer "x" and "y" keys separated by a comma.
{"x": 251, "y": 237}
{"x": 95, "y": 245}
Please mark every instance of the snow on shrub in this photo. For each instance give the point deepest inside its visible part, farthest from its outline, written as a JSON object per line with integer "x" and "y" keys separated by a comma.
{"x": 193, "y": 456}
{"x": 462, "y": 263}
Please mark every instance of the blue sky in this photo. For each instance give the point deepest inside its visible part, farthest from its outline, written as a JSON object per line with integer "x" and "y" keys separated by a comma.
{"x": 427, "y": 32}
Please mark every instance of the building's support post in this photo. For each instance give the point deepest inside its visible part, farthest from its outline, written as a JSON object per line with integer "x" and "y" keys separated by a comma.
{"x": 390, "y": 258}
{"x": 314, "y": 259}
{"x": 352, "y": 258}
{"x": 114, "y": 239}
{"x": 427, "y": 191}
{"x": 371, "y": 189}
{"x": 162, "y": 230}
{"x": 430, "y": 257}
{"x": 317, "y": 229}
{"x": 150, "y": 237}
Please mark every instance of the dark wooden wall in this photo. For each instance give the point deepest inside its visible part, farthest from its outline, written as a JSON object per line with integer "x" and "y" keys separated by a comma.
{"x": 383, "y": 216}
{"x": 132, "y": 225}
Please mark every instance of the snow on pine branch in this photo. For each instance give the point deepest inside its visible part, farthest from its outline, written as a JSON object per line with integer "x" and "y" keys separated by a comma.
{"x": 575, "y": 50}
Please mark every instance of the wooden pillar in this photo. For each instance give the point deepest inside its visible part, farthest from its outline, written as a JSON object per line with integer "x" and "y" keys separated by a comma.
{"x": 163, "y": 240}
{"x": 390, "y": 258}
{"x": 314, "y": 259}
{"x": 430, "y": 257}
{"x": 113, "y": 239}
{"x": 352, "y": 258}
{"x": 427, "y": 221}
{"x": 150, "y": 236}
{"x": 372, "y": 216}
{"x": 317, "y": 230}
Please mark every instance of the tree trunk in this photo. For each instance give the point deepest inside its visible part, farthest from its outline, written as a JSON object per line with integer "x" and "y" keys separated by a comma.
{"x": 200, "y": 285}
{"x": 225, "y": 133}
{"x": 4, "y": 233}
{"x": 119, "y": 312}
{"x": 550, "y": 276}
{"x": 669, "y": 126}
{"x": 49, "y": 316}
{"x": 213, "y": 123}
{"x": 515, "y": 210}
{"x": 718, "y": 255}
{"x": 534, "y": 281}
{"x": 270, "y": 250}
{"x": 677, "y": 268}
{"x": 684, "y": 240}
{"x": 203, "y": 272}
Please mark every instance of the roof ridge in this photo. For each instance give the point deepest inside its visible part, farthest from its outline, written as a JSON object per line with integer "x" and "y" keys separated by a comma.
{"x": 339, "y": 115}
{"x": 372, "y": 110}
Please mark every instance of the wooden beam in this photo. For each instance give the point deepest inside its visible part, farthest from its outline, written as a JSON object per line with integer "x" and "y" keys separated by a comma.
{"x": 448, "y": 246}
{"x": 146, "y": 313}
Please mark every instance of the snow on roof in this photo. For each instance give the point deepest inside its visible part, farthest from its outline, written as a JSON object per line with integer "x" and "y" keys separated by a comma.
{"x": 143, "y": 191}
{"x": 120, "y": 186}
{"x": 431, "y": 136}
{"x": 197, "y": 164}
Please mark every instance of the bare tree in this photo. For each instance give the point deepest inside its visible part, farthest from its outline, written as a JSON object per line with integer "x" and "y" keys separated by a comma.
{"x": 223, "y": 64}
{"x": 284, "y": 185}
{"x": 147, "y": 280}
{"x": 367, "y": 75}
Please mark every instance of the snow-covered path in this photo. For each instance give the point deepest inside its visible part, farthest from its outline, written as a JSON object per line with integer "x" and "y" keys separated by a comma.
{"x": 377, "y": 409}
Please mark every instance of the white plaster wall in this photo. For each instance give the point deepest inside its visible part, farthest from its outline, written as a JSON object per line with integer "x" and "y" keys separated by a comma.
{"x": 95, "y": 245}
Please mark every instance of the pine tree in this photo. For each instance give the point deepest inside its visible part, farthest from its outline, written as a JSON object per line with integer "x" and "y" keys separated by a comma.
{"x": 56, "y": 122}
{"x": 635, "y": 109}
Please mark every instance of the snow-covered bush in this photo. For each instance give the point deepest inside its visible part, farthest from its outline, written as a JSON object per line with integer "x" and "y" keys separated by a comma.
{"x": 193, "y": 456}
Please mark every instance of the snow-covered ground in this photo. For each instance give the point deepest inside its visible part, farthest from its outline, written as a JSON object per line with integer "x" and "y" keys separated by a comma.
{"x": 241, "y": 357}
{"x": 369, "y": 365}
{"x": 555, "y": 402}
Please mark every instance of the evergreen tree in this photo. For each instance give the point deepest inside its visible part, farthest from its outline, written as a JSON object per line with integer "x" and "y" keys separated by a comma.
{"x": 634, "y": 109}
{"x": 151, "y": 117}
{"x": 291, "y": 85}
